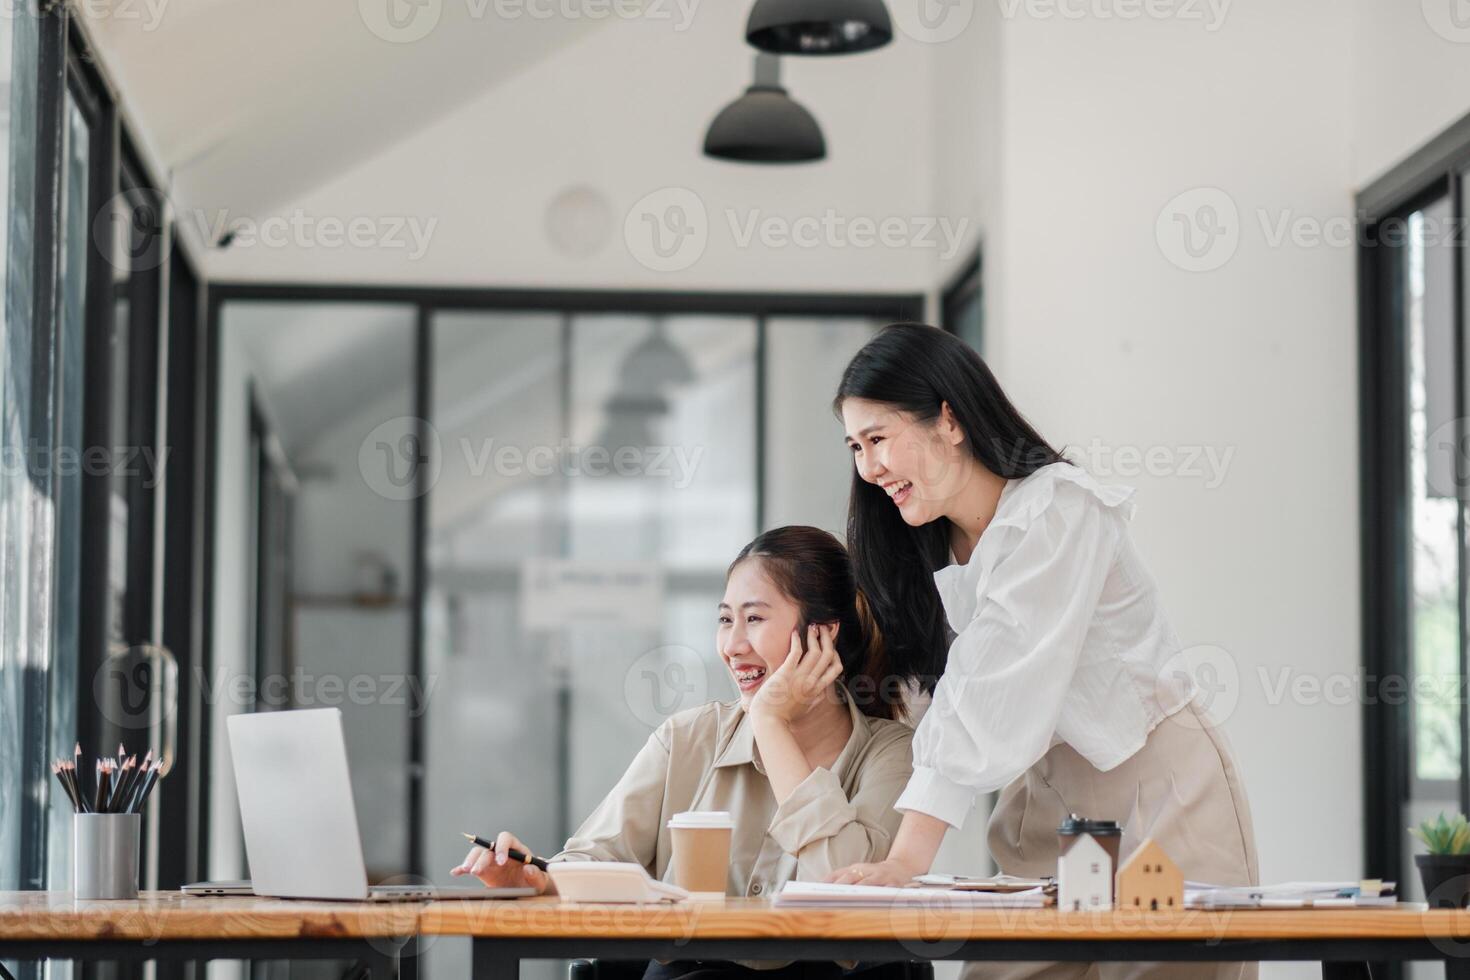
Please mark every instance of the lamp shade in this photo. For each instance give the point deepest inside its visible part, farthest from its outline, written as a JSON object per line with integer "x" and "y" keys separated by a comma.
{"x": 765, "y": 125}
{"x": 818, "y": 26}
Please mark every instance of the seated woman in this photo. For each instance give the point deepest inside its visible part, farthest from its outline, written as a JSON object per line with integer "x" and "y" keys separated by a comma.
{"x": 809, "y": 761}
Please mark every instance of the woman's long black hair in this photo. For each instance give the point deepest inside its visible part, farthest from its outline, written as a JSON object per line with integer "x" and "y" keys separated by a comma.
{"x": 811, "y": 568}
{"x": 917, "y": 369}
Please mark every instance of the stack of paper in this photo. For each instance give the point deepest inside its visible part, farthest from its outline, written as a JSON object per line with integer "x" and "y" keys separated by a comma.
{"x": 993, "y": 883}
{"x": 1291, "y": 895}
{"x": 807, "y": 893}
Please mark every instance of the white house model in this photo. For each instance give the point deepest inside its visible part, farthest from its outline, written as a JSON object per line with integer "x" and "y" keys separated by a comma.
{"x": 1085, "y": 876}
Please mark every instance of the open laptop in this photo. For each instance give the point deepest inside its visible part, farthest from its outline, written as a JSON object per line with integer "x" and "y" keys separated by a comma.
{"x": 300, "y": 822}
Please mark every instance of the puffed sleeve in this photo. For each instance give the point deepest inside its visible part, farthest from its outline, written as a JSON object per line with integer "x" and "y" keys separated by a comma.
{"x": 826, "y": 830}
{"x": 996, "y": 706}
{"x": 625, "y": 825}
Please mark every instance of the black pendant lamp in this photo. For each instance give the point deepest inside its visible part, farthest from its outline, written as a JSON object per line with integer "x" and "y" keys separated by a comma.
{"x": 818, "y": 26}
{"x": 765, "y": 125}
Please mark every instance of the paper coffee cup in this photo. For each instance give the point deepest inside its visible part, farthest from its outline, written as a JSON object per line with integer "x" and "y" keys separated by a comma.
{"x": 702, "y": 850}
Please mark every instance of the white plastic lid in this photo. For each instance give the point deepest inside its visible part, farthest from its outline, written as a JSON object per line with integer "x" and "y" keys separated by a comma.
{"x": 702, "y": 820}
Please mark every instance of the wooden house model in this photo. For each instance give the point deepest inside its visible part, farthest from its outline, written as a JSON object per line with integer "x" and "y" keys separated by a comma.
{"x": 1149, "y": 880}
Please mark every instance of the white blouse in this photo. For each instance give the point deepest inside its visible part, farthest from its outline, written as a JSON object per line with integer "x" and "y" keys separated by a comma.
{"x": 1061, "y": 638}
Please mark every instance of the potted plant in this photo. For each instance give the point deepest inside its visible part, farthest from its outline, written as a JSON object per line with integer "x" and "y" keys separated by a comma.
{"x": 1445, "y": 870}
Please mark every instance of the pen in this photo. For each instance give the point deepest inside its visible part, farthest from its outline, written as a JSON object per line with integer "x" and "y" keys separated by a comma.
{"x": 511, "y": 852}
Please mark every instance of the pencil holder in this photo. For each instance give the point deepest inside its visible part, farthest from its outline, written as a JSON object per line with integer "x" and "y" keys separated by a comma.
{"x": 105, "y": 855}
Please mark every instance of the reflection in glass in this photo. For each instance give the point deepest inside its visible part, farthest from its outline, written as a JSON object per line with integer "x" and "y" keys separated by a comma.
{"x": 71, "y": 345}
{"x": 118, "y": 497}
{"x": 322, "y": 561}
{"x": 808, "y": 467}
{"x": 1433, "y": 500}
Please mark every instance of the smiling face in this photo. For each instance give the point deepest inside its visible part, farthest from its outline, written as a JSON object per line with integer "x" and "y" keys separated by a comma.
{"x": 756, "y": 621}
{"x": 922, "y": 466}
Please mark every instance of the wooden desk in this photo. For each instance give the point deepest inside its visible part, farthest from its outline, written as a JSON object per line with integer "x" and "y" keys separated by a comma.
{"x": 42, "y": 925}
{"x": 170, "y": 926}
{"x": 745, "y": 929}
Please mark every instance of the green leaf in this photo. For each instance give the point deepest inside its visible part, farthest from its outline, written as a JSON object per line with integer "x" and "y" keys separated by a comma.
{"x": 1443, "y": 835}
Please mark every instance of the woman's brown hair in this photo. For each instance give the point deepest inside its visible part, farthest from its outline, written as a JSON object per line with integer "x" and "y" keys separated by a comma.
{"x": 812, "y": 569}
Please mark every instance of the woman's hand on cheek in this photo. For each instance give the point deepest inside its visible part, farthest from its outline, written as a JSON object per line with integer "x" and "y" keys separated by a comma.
{"x": 804, "y": 678}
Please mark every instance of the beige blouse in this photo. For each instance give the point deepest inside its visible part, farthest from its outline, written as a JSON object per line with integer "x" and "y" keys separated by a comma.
{"x": 706, "y": 758}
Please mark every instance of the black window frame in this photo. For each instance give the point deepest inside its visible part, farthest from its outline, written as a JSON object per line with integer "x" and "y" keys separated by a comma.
{"x": 1435, "y": 171}
{"x": 165, "y": 312}
{"x": 966, "y": 286}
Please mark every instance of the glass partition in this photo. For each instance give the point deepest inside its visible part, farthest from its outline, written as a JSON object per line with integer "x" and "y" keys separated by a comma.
{"x": 588, "y": 478}
{"x": 314, "y": 548}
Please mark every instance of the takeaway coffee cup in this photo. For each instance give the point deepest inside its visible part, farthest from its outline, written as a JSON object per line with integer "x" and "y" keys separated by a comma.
{"x": 1106, "y": 832}
{"x": 702, "y": 850}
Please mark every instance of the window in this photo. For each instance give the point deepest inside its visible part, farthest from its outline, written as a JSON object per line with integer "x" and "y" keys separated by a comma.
{"x": 1415, "y": 488}
{"x": 25, "y": 494}
{"x": 64, "y": 161}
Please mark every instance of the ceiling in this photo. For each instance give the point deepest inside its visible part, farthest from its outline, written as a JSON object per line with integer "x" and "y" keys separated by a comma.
{"x": 248, "y": 104}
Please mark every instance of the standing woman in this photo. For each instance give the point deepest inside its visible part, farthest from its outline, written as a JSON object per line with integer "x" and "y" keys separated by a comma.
{"x": 1060, "y": 685}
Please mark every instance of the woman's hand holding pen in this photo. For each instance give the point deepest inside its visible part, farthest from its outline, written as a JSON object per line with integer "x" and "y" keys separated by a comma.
{"x": 804, "y": 678}
{"x": 498, "y": 870}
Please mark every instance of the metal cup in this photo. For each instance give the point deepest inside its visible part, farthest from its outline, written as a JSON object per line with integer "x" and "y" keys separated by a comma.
{"x": 105, "y": 855}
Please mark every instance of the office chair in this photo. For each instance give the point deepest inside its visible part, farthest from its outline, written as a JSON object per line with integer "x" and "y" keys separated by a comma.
{"x": 633, "y": 970}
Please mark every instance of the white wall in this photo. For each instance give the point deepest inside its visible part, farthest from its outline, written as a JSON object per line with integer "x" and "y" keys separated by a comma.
{"x": 623, "y": 112}
{"x": 1100, "y": 337}
{"x": 1410, "y": 79}
{"x": 965, "y": 76}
